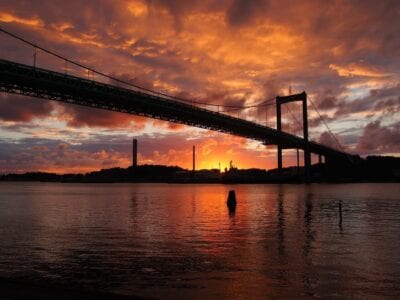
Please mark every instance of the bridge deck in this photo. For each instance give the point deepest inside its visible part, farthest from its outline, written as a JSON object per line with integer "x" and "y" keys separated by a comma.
{"x": 41, "y": 83}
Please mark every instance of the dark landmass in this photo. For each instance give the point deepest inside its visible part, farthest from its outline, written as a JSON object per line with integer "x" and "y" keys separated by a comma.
{"x": 371, "y": 169}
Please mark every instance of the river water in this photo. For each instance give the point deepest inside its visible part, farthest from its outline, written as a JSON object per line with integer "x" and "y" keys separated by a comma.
{"x": 180, "y": 241}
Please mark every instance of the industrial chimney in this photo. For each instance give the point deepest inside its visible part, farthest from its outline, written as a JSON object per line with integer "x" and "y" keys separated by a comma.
{"x": 194, "y": 158}
{"x": 134, "y": 153}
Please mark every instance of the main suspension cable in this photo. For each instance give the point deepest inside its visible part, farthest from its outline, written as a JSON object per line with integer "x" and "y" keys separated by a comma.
{"x": 94, "y": 71}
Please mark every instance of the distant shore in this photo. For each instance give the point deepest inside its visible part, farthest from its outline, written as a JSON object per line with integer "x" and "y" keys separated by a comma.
{"x": 371, "y": 169}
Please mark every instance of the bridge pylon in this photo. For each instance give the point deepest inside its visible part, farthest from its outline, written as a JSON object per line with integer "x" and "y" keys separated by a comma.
{"x": 305, "y": 145}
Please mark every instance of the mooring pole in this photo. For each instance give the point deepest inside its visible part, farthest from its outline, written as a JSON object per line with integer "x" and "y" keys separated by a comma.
{"x": 231, "y": 202}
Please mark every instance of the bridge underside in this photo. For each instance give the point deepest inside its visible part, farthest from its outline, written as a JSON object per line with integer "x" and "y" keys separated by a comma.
{"x": 40, "y": 83}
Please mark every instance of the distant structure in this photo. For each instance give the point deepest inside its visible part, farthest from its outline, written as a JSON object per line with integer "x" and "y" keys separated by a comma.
{"x": 307, "y": 153}
{"x": 232, "y": 166}
{"x": 194, "y": 158}
{"x": 134, "y": 153}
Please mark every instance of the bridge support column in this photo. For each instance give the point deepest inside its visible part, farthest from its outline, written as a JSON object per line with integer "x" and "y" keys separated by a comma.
{"x": 307, "y": 153}
{"x": 279, "y": 129}
{"x": 134, "y": 153}
{"x": 280, "y": 159}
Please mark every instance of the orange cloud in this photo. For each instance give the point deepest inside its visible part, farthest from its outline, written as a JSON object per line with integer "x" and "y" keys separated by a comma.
{"x": 138, "y": 8}
{"x": 357, "y": 70}
{"x": 10, "y": 18}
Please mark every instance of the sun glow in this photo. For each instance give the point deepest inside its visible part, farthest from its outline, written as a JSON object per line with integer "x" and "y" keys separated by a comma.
{"x": 138, "y": 8}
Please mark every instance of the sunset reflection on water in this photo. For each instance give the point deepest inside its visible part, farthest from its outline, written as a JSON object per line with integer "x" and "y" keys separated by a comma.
{"x": 179, "y": 241}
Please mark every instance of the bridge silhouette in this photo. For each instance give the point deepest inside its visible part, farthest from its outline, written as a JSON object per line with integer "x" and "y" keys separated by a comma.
{"x": 122, "y": 96}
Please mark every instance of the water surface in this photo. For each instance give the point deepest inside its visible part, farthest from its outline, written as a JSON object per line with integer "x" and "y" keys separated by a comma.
{"x": 180, "y": 241}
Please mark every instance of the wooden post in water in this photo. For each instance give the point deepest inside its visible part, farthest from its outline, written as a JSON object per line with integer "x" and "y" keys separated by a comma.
{"x": 231, "y": 202}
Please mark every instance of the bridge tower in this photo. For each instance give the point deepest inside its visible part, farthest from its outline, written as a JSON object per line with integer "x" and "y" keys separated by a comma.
{"x": 306, "y": 147}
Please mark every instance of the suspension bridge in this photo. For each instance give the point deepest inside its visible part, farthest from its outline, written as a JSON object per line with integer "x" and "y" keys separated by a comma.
{"x": 115, "y": 94}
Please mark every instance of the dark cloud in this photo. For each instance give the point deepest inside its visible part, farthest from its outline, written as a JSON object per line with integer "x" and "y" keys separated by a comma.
{"x": 222, "y": 98}
{"x": 243, "y": 12}
{"x": 35, "y": 154}
{"x": 327, "y": 140}
{"x": 386, "y": 100}
{"x": 22, "y": 109}
{"x": 378, "y": 139}
{"x": 317, "y": 121}
{"x": 79, "y": 116}
{"x": 389, "y": 107}
{"x": 339, "y": 142}
{"x": 328, "y": 103}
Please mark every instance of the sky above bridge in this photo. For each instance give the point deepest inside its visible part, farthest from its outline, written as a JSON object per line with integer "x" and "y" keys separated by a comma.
{"x": 345, "y": 54}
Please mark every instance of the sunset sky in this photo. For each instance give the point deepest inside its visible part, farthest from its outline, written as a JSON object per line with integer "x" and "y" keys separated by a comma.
{"x": 345, "y": 54}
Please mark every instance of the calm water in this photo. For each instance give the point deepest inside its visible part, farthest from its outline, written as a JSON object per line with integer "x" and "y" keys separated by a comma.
{"x": 179, "y": 241}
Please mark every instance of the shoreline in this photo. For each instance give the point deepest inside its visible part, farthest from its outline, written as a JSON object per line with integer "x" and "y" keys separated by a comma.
{"x": 318, "y": 181}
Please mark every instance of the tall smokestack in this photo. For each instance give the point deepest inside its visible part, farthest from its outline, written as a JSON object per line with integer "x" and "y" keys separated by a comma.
{"x": 194, "y": 158}
{"x": 134, "y": 153}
